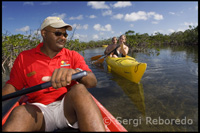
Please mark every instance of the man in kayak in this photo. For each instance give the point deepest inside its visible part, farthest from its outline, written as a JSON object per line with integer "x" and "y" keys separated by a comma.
{"x": 67, "y": 103}
{"x": 122, "y": 51}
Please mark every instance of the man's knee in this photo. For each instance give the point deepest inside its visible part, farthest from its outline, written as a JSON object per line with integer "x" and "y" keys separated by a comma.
{"x": 78, "y": 90}
{"x": 18, "y": 111}
{"x": 25, "y": 118}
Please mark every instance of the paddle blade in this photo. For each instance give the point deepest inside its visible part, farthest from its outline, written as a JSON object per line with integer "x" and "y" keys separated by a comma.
{"x": 96, "y": 57}
{"x": 100, "y": 61}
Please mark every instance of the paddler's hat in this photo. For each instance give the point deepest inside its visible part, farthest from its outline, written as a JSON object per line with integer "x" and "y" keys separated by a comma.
{"x": 55, "y": 22}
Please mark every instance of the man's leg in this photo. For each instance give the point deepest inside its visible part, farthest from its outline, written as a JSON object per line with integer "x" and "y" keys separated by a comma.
{"x": 80, "y": 106}
{"x": 25, "y": 118}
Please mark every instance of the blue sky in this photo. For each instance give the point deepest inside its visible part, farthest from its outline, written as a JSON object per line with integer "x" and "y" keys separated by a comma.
{"x": 101, "y": 20}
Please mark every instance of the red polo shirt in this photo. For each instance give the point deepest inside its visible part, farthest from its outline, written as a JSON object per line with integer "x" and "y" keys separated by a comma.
{"x": 31, "y": 65}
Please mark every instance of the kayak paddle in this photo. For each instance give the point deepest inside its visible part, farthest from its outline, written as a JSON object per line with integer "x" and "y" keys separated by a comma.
{"x": 102, "y": 59}
{"x": 39, "y": 87}
{"x": 96, "y": 57}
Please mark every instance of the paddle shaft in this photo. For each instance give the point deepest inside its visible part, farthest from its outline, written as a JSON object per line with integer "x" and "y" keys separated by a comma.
{"x": 102, "y": 59}
{"x": 112, "y": 51}
{"x": 39, "y": 87}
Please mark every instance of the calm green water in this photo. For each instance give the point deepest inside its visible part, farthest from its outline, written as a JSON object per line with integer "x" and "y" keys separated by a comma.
{"x": 166, "y": 98}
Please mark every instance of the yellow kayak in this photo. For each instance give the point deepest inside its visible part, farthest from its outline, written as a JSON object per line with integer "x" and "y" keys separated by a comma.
{"x": 127, "y": 67}
{"x": 104, "y": 46}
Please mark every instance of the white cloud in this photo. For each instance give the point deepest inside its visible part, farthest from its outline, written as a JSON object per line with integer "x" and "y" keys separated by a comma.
{"x": 155, "y": 15}
{"x": 76, "y": 18}
{"x": 180, "y": 29}
{"x": 85, "y": 27}
{"x": 80, "y": 37}
{"x": 158, "y": 17}
{"x": 98, "y": 5}
{"x": 171, "y": 30}
{"x": 187, "y": 24}
{"x": 106, "y": 13}
{"x": 121, "y": 4}
{"x": 132, "y": 25}
{"x": 154, "y": 22}
{"x": 101, "y": 33}
{"x": 97, "y": 27}
{"x": 92, "y": 16}
{"x": 62, "y": 16}
{"x": 196, "y": 8}
{"x": 46, "y": 3}
{"x": 159, "y": 31}
{"x": 118, "y": 16}
{"x": 95, "y": 36}
{"x": 142, "y": 15}
{"x": 79, "y": 27}
{"x": 37, "y": 32}
{"x": 28, "y": 3}
{"x": 107, "y": 27}
{"x": 24, "y": 29}
{"x": 172, "y": 13}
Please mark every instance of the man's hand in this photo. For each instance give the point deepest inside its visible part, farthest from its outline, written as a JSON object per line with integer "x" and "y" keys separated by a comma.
{"x": 61, "y": 77}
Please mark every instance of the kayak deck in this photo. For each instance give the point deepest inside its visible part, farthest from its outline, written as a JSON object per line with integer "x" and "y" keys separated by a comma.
{"x": 111, "y": 124}
{"x": 127, "y": 67}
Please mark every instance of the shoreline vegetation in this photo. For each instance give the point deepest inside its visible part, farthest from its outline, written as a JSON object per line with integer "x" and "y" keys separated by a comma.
{"x": 12, "y": 45}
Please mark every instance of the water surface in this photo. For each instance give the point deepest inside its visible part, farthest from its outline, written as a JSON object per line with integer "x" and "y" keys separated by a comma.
{"x": 166, "y": 99}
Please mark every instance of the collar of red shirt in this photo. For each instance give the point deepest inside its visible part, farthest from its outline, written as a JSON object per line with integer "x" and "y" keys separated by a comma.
{"x": 39, "y": 51}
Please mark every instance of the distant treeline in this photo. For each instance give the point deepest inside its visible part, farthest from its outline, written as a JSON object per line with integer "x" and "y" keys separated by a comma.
{"x": 12, "y": 45}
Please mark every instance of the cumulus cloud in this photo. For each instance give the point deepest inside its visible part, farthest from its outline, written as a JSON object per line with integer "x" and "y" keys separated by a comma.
{"x": 24, "y": 29}
{"x": 46, "y": 3}
{"x": 172, "y": 13}
{"x": 98, "y": 5}
{"x": 158, "y": 16}
{"x": 79, "y": 27}
{"x": 132, "y": 25}
{"x": 181, "y": 29}
{"x": 154, "y": 22}
{"x": 62, "y": 16}
{"x": 187, "y": 24}
{"x": 159, "y": 31}
{"x": 196, "y": 8}
{"x": 76, "y": 18}
{"x": 92, "y": 16}
{"x": 171, "y": 30}
{"x": 95, "y": 36}
{"x": 80, "y": 37}
{"x": 122, "y": 4}
{"x": 107, "y": 27}
{"x": 28, "y": 3}
{"x": 106, "y": 13}
{"x": 118, "y": 16}
{"x": 142, "y": 15}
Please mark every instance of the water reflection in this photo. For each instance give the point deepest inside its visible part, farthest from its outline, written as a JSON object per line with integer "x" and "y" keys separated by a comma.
{"x": 134, "y": 91}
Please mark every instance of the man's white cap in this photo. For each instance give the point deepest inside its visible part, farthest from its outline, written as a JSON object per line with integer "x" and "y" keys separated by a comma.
{"x": 55, "y": 22}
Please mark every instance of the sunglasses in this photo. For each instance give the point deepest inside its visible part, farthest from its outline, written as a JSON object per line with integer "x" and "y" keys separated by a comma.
{"x": 57, "y": 33}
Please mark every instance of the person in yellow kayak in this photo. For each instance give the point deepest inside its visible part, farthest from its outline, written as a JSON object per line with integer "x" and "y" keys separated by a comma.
{"x": 67, "y": 103}
{"x": 111, "y": 46}
{"x": 122, "y": 51}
